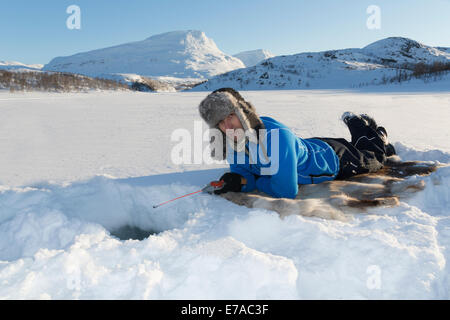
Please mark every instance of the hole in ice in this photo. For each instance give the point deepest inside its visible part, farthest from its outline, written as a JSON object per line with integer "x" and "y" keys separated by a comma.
{"x": 128, "y": 232}
{"x": 124, "y": 207}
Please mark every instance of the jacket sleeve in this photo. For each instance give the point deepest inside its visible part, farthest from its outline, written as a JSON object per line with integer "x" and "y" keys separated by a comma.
{"x": 282, "y": 183}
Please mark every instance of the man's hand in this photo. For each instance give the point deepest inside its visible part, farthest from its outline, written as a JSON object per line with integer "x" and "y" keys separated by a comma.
{"x": 232, "y": 182}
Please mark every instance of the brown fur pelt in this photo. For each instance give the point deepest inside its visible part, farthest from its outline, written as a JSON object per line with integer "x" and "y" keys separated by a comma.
{"x": 336, "y": 199}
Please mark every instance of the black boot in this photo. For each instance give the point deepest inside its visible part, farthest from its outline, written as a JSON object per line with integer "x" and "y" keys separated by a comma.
{"x": 383, "y": 134}
{"x": 364, "y": 118}
{"x": 366, "y": 135}
{"x": 370, "y": 121}
{"x": 390, "y": 150}
{"x": 358, "y": 126}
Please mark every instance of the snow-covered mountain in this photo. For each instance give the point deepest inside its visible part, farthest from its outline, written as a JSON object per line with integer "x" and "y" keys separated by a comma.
{"x": 346, "y": 68}
{"x": 14, "y": 65}
{"x": 397, "y": 51}
{"x": 180, "y": 54}
{"x": 444, "y": 49}
{"x": 253, "y": 57}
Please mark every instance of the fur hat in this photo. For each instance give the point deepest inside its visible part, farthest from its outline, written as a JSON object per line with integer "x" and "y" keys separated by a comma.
{"x": 225, "y": 101}
{"x": 221, "y": 103}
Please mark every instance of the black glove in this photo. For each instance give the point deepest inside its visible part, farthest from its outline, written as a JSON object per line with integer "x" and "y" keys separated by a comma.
{"x": 232, "y": 182}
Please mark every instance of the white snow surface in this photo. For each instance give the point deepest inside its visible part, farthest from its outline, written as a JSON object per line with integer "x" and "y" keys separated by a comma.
{"x": 179, "y": 54}
{"x": 253, "y": 57}
{"x": 77, "y": 167}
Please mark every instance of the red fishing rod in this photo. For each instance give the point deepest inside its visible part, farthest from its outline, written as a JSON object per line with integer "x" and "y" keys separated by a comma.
{"x": 209, "y": 188}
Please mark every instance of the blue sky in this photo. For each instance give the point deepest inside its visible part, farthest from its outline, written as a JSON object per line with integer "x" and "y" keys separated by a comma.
{"x": 36, "y": 32}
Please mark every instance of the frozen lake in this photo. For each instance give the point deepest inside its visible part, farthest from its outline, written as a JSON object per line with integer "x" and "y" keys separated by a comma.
{"x": 77, "y": 167}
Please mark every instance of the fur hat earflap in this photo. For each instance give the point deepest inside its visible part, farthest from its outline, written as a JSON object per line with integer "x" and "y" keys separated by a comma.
{"x": 221, "y": 103}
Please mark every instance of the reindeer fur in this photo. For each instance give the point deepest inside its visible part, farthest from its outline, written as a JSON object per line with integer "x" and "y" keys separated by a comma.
{"x": 337, "y": 199}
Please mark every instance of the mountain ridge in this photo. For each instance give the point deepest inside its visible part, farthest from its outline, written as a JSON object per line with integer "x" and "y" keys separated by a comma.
{"x": 375, "y": 63}
{"x": 182, "y": 54}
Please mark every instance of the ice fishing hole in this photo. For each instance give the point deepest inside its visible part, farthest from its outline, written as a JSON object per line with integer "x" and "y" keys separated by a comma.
{"x": 132, "y": 233}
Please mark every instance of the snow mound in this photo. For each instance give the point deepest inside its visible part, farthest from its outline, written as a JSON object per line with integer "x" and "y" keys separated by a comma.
{"x": 427, "y": 155}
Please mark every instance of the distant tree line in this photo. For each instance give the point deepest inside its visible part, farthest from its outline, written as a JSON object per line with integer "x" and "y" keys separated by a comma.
{"x": 419, "y": 70}
{"x": 55, "y": 81}
{"x": 423, "y": 69}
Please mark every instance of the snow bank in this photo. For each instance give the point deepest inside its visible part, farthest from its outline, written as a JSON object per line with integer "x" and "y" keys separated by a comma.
{"x": 56, "y": 244}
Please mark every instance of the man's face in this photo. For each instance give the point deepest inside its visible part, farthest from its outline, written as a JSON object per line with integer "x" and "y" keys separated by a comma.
{"x": 230, "y": 124}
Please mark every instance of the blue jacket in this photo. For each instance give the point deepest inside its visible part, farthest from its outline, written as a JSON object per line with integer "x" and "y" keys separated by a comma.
{"x": 299, "y": 161}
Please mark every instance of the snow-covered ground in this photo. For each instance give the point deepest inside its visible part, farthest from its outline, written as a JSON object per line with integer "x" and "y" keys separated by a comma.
{"x": 78, "y": 171}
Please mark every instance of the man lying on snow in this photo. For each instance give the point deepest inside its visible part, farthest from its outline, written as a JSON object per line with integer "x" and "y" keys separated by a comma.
{"x": 298, "y": 160}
